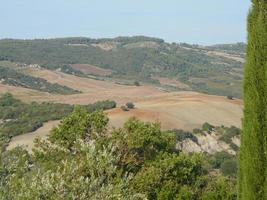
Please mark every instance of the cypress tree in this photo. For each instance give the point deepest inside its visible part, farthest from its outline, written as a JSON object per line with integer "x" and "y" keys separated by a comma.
{"x": 252, "y": 175}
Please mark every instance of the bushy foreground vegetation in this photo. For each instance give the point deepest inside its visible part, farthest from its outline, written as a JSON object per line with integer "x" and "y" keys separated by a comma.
{"x": 253, "y": 152}
{"x": 15, "y": 78}
{"x": 17, "y": 117}
{"x": 82, "y": 159}
{"x": 136, "y": 58}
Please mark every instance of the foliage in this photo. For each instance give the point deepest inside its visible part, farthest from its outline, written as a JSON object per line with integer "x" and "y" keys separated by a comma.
{"x": 130, "y": 105}
{"x": 229, "y": 168}
{"x": 18, "y": 117}
{"x": 84, "y": 160}
{"x": 219, "y": 158}
{"x": 252, "y": 158}
{"x": 220, "y": 189}
{"x": 163, "y": 177}
{"x": 229, "y": 134}
{"x": 182, "y": 135}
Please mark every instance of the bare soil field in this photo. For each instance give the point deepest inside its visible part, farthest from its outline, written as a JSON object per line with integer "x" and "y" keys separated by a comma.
{"x": 181, "y": 110}
{"x": 27, "y": 140}
{"x": 92, "y": 70}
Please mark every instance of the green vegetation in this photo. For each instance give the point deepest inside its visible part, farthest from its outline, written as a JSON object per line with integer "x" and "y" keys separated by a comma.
{"x": 15, "y": 78}
{"x": 82, "y": 159}
{"x": 253, "y": 158}
{"x": 182, "y": 135}
{"x": 17, "y": 117}
{"x": 130, "y": 105}
{"x": 138, "y": 59}
{"x": 124, "y": 108}
{"x": 207, "y": 127}
{"x": 225, "y": 162}
{"x": 228, "y": 134}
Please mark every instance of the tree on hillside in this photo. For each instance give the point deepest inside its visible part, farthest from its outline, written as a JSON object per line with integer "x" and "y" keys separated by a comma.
{"x": 253, "y": 153}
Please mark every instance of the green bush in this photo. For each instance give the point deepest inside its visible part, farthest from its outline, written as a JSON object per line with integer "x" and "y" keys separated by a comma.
{"x": 182, "y": 135}
{"x": 124, "y": 108}
{"x": 229, "y": 168}
{"x": 130, "y": 105}
{"x": 229, "y": 134}
{"x": 219, "y": 158}
{"x": 207, "y": 127}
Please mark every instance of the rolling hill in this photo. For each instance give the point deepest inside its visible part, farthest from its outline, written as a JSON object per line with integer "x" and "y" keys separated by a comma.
{"x": 213, "y": 69}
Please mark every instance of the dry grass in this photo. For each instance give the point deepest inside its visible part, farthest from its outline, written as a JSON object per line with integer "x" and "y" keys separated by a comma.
{"x": 27, "y": 140}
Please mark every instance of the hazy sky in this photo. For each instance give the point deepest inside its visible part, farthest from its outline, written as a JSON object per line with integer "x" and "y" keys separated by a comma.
{"x": 192, "y": 21}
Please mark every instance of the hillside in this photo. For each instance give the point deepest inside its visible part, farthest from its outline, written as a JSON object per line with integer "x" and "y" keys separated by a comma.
{"x": 112, "y": 152}
{"x": 213, "y": 69}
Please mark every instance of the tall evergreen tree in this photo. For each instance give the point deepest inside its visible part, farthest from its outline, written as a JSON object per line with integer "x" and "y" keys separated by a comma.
{"x": 253, "y": 152}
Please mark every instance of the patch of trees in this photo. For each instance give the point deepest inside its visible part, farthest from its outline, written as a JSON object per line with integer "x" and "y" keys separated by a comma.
{"x": 207, "y": 127}
{"x": 225, "y": 162}
{"x": 182, "y": 135}
{"x": 86, "y": 160}
{"x": 128, "y": 106}
{"x": 12, "y": 77}
{"x": 18, "y": 117}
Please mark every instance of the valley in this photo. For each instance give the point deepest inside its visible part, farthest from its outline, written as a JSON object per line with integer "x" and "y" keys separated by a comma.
{"x": 176, "y": 85}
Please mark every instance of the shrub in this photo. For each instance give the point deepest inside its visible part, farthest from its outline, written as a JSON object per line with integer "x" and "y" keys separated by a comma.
{"x": 207, "y": 127}
{"x": 130, "y": 105}
{"x": 136, "y": 83}
{"x": 219, "y": 158}
{"x": 197, "y": 131}
{"x": 124, "y": 108}
{"x": 230, "y": 133}
{"x": 229, "y": 168}
{"x": 183, "y": 135}
{"x": 230, "y": 97}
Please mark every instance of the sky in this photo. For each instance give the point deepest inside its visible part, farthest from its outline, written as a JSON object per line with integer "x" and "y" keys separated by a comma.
{"x": 191, "y": 21}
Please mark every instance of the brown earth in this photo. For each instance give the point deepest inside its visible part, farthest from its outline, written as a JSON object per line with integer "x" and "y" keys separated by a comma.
{"x": 93, "y": 90}
{"x": 106, "y": 46}
{"x": 183, "y": 110}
